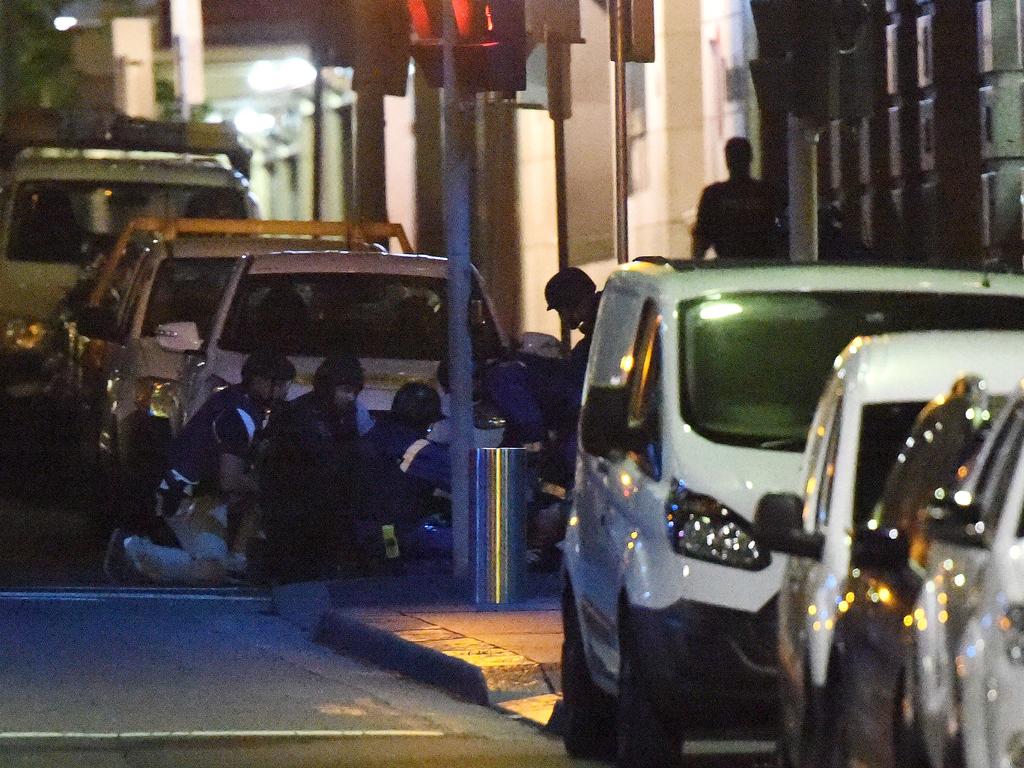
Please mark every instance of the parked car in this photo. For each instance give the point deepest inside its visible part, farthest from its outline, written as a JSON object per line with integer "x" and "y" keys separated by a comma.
{"x": 701, "y": 386}
{"x": 849, "y": 510}
{"x": 66, "y": 191}
{"x": 305, "y": 299}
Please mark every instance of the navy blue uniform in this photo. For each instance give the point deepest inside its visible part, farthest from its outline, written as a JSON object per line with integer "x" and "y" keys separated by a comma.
{"x": 226, "y": 423}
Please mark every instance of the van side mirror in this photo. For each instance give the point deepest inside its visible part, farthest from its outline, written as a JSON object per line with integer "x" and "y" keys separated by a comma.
{"x": 179, "y": 337}
{"x": 882, "y": 548}
{"x": 779, "y": 526}
{"x": 604, "y": 426}
{"x": 955, "y": 523}
{"x": 96, "y": 322}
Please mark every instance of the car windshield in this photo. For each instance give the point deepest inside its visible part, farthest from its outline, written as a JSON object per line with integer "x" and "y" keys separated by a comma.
{"x": 184, "y": 290}
{"x": 753, "y": 365}
{"x": 74, "y": 222}
{"x": 373, "y": 315}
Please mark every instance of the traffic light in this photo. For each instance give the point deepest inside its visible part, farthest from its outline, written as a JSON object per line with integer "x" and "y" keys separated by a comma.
{"x": 816, "y": 58}
{"x": 492, "y": 48}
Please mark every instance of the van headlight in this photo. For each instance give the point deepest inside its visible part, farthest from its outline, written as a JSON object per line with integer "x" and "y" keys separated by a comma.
{"x": 24, "y": 335}
{"x": 700, "y": 526}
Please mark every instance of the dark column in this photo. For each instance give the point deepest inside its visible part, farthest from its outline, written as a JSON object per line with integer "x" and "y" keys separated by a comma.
{"x": 371, "y": 185}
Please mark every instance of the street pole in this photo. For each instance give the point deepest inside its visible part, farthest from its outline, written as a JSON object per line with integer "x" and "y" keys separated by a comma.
{"x": 318, "y": 141}
{"x": 618, "y": 10}
{"x": 458, "y": 139}
{"x": 370, "y": 159}
{"x": 802, "y": 139}
{"x": 559, "y": 110}
{"x": 6, "y": 75}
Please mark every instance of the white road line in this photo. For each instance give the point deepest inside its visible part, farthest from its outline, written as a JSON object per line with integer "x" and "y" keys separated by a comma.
{"x": 35, "y": 736}
{"x": 728, "y": 747}
{"x": 70, "y": 597}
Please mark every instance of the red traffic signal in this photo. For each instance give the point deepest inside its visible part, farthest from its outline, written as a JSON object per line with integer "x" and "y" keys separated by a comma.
{"x": 492, "y": 48}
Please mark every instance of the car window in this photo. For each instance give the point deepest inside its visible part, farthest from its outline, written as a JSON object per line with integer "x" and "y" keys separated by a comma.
{"x": 394, "y": 316}
{"x": 645, "y": 392}
{"x": 74, "y": 222}
{"x": 187, "y": 290}
{"x": 998, "y": 472}
{"x": 884, "y": 428}
{"x": 753, "y": 365}
{"x": 828, "y": 467}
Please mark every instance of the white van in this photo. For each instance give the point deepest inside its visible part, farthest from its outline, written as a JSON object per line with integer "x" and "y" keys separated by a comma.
{"x": 860, "y": 430}
{"x": 701, "y": 386}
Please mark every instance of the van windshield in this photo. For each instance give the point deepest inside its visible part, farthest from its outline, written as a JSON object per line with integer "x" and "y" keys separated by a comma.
{"x": 75, "y": 222}
{"x": 753, "y": 365}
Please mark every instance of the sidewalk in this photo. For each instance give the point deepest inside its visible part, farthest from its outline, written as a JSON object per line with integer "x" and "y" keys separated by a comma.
{"x": 421, "y": 625}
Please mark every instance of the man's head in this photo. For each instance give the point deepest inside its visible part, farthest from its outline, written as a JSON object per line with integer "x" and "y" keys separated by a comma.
{"x": 338, "y": 380}
{"x": 266, "y": 376}
{"x": 738, "y": 157}
{"x": 570, "y": 293}
{"x": 416, "y": 405}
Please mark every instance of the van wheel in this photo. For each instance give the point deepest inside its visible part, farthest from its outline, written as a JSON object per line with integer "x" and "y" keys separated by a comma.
{"x": 647, "y": 739}
{"x": 588, "y": 713}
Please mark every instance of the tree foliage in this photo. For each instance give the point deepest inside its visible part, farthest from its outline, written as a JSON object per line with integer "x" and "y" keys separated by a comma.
{"x": 38, "y": 68}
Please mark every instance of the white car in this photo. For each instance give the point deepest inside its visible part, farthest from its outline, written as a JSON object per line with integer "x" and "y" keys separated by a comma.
{"x": 860, "y": 429}
{"x": 700, "y": 389}
{"x": 64, "y": 198}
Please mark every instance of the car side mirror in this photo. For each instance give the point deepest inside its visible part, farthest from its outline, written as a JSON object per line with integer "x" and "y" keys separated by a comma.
{"x": 955, "y": 523}
{"x": 779, "y": 526}
{"x": 96, "y": 322}
{"x": 179, "y": 337}
{"x": 604, "y": 424}
{"x": 881, "y": 548}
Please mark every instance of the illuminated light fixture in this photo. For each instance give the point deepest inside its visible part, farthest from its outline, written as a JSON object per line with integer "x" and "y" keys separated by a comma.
{"x": 64, "y": 23}
{"x": 963, "y": 498}
{"x": 287, "y": 75}
{"x": 250, "y": 121}
{"x": 718, "y": 311}
{"x": 626, "y": 363}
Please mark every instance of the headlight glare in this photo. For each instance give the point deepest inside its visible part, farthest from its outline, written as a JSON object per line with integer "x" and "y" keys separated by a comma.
{"x": 23, "y": 334}
{"x": 701, "y": 527}
{"x": 157, "y": 397}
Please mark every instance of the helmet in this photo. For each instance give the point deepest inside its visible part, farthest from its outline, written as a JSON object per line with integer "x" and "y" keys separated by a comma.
{"x": 338, "y": 370}
{"x": 416, "y": 405}
{"x": 568, "y": 288}
{"x": 268, "y": 365}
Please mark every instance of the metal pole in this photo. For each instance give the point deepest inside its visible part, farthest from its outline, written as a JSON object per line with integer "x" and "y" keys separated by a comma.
{"x": 371, "y": 168}
{"x": 318, "y": 142}
{"x": 500, "y": 508}
{"x": 459, "y": 138}
{"x": 803, "y": 190}
{"x": 557, "y": 103}
{"x": 618, "y": 9}
{"x": 6, "y": 51}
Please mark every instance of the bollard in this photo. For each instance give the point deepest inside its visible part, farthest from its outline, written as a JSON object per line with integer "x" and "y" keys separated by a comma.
{"x": 500, "y": 498}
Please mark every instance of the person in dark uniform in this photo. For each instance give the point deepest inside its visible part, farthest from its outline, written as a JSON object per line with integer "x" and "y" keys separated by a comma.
{"x": 737, "y": 217}
{"x": 400, "y": 469}
{"x": 307, "y": 476}
{"x": 206, "y": 499}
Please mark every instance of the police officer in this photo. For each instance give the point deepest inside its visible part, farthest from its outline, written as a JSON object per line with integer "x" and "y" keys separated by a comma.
{"x": 737, "y": 217}
{"x": 401, "y": 467}
{"x": 307, "y": 474}
{"x": 207, "y": 495}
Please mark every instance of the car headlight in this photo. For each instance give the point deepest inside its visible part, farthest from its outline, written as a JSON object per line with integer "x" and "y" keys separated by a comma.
{"x": 157, "y": 397}
{"x": 700, "y": 526}
{"x": 22, "y": 334}
{"x": 1012, "y": 624}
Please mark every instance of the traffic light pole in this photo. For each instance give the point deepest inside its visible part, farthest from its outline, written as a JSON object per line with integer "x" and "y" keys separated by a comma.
{"x": 459, "y": 144}
{"x": 618, "y": 10}
{"x": 803, "y": 190}
{"x": 558, "y": 110}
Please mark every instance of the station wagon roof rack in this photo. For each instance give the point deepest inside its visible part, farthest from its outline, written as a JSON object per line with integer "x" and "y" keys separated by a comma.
{"x": 354, "y": 234}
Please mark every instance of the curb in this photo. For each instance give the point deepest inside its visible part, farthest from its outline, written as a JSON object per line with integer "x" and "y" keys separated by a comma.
{"x": 344, "y": 634}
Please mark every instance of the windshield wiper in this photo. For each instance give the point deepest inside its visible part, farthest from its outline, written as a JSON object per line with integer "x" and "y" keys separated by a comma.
{"x": 783, "y": 444}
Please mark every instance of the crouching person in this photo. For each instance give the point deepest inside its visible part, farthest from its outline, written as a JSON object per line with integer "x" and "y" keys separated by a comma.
{"x": 307, "y": 476}
{"x": 400, "y": 469}
{"x": 207, "y": 497}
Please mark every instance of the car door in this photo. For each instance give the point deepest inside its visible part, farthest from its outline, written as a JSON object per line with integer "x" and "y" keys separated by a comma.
{"x": 595, "y": 572}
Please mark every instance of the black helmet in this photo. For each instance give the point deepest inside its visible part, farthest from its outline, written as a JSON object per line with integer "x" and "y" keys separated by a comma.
{"x": 416, "y": 405}
{"x": 268, "y": 365}
{"x": 336, "y": 371}
{"x": 568, "y": 288}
